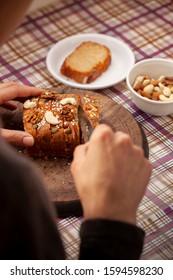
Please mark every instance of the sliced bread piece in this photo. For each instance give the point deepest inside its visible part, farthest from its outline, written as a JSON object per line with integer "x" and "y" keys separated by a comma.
{"x": 87, "y": 62}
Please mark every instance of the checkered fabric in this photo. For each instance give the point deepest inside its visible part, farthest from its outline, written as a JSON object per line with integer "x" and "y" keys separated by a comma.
{"x": 147, "y": 27}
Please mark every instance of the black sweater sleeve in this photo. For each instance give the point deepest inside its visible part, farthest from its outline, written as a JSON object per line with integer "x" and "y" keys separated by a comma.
{"x": 28, "y": 222}
{"x": 110, "y": 240}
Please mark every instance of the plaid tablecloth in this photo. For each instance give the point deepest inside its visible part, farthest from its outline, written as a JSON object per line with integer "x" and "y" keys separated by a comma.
{"x": 147, "y": 27}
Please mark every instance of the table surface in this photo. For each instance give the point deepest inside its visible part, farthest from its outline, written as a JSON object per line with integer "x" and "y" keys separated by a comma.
{"x": 146, "y": 26}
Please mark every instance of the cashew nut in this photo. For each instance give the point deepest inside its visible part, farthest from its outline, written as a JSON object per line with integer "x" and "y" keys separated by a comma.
{"x": 69, "y": 100}
{"x": 167, "y": 91}
{"x": 161, "y": 86}
{"x": 138, "y": 80}
{"x": 156, "y": 88}
{"x": 164, "y": 98}
{"x": 149, "y": 88}
{"x": 146, "y": 82}
{"x": 161, "y": 79}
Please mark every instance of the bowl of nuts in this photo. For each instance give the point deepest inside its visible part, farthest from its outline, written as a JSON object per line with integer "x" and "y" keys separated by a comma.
{"x": 150, "y": 82}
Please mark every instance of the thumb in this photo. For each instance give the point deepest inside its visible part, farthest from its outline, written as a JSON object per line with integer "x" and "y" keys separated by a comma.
{"x": 18, "y": 138}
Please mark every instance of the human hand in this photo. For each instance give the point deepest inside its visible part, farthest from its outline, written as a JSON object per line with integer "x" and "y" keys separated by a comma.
{"x": 9, "y": 91}
{"x": 111, "y": 175}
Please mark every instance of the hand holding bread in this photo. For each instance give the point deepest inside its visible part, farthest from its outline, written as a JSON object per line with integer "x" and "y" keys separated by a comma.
{"x": 8, "y": 92}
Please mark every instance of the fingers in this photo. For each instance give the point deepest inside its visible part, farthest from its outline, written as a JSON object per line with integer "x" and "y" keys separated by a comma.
{"x": 133, "y": 153}
{"x": 145, "y": 167}
{"x": 123, "y": 139}
{"x": 11, "y": 90}
{"x": 102, "y": 132}
{"x": 79, "y": 156}
{"x": 80, "y": 150}
{"x": 18, "y": 138}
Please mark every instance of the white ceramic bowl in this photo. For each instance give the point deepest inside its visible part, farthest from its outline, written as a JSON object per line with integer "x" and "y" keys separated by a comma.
{"x": 153, "y": 67}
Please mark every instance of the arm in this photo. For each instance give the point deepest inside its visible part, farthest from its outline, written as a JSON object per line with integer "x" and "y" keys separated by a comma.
{"x": 11, "y": 14}
{"x": 111, "y": 176}
{"x": 28, "y": 222}
{"x": 103, "y": 239}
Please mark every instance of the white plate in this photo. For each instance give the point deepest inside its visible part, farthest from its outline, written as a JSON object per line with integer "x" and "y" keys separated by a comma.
{"x": 122, "y": 59}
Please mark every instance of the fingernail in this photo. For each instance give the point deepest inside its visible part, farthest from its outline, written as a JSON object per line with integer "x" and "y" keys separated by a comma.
{"x": 28, "y": 141}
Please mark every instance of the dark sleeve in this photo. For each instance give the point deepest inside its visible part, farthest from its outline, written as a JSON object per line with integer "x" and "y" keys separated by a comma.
{"x": 110, "y": 240}
{"x": 28, "y": 223}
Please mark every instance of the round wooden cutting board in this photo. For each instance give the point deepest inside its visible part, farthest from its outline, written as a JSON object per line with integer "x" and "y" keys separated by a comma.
{"x": 56, "y": 172}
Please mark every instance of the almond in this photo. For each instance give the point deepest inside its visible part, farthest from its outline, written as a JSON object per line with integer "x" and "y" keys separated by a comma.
{"x": 29, "y": 104}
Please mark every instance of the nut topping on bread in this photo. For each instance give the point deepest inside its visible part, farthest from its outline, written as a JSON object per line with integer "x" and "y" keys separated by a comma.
{"x": 68, "y": 101}
{"x": 54, "y": 124}
{"x": 50, "y": 118}
{"x": 29, "y": 104}
{"x": 87, "y": 62}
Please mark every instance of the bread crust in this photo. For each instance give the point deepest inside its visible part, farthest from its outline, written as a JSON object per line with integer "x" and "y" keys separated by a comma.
{"x": 97, "y": 67}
